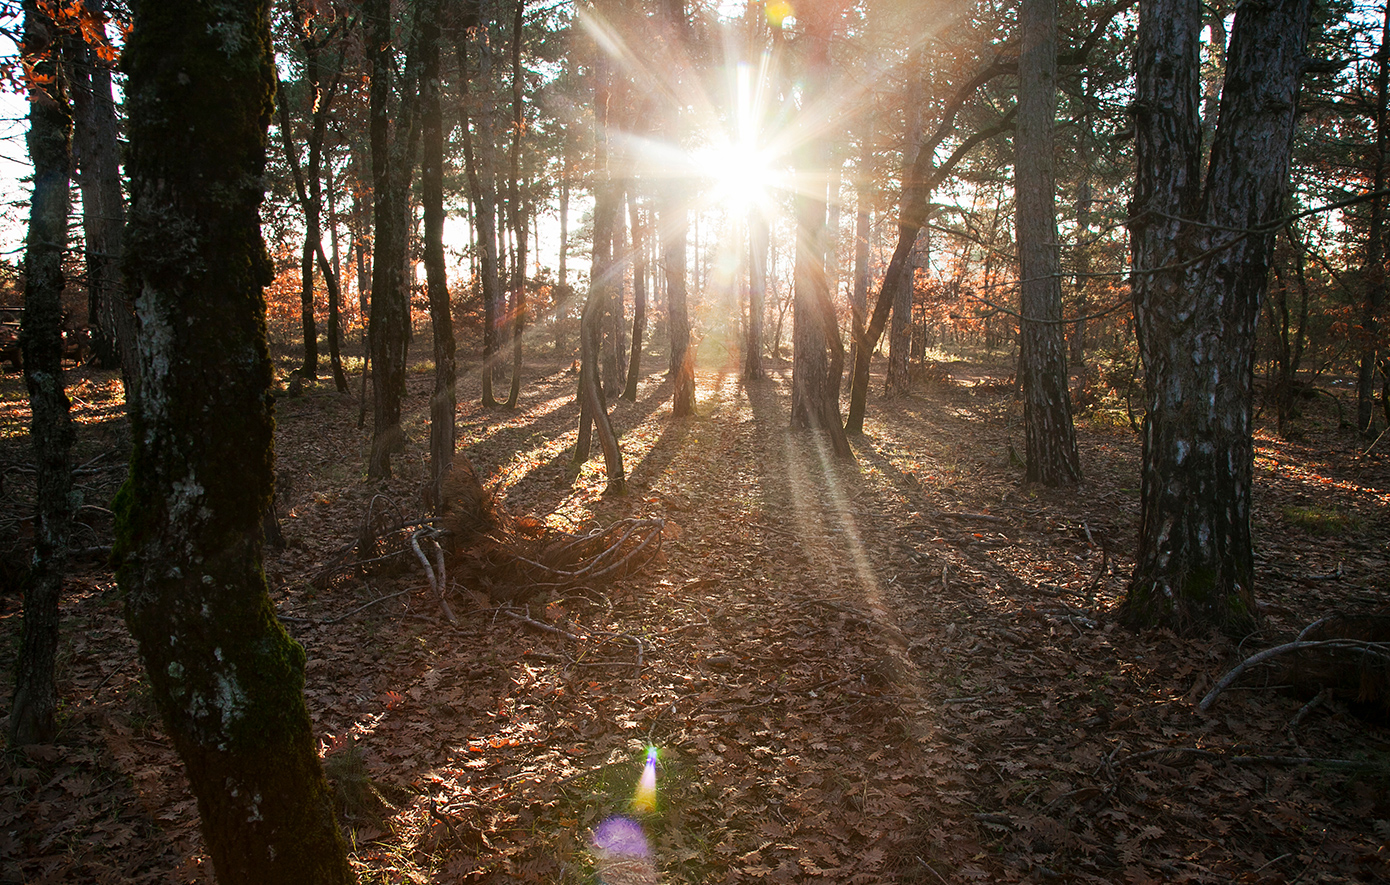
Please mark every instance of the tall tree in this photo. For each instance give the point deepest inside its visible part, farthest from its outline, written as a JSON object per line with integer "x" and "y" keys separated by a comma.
{"x": 1201, "y": 250}
{"x": 226, "y": 678}
{"x": 50, "y": 146}
{"x": 675, "y": 228}
{"x": 516, "y": 204}
{"x": 1375, "y": 249}
{"x": 481, "y": 166}
{"x": 96, "y": 145}
{"x": 639, "y": 294}
{"x": 443, "y": 431}
{"x": 605, "y": 275}
{"x": 818, "y": 355}
{"x": 1047, "y": 425}
{"x": 388, "y": 328}
{"x": 308, "y": 184}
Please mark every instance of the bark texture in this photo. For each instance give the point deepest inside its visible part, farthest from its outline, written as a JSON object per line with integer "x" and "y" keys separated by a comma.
{"x": 227, "y": 679}
{"x": 388, "y": 327}
{"x": 443, "y": 399}
{"x": 818, "y": 354}
{"x": 96, "y": 144}
{"x": 50, "y": 143}
{"x": 1201, "y": 259}
{"x": 1049, "y": 436}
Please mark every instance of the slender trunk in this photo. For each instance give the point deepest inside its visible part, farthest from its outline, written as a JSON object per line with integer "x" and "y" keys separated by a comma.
{"x": 392, "y": 153}
{"x": 518, "y": 309}
{"x": 227, "y": 679}
{"x": 32, "y": 714}
{"x": 97, "y": 146}
{"x": 1375, "y": 252}
{"x": 818, "y": 354}
{"x": 604, "y": 275}
{"x": 859, "y": 297}
{"x": 482, "y": 185}
{"x": 675, "y": 229}
{"x": 1050, "y": 438}
{"x": 757, "y": 294}
{"x": 443, "y": 399}
{"x": 562, "y": 293}
{"x": 639, "y": 297}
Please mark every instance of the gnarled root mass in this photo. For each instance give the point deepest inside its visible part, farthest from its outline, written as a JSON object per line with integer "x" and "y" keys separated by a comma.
{"x": 509, "y": 557}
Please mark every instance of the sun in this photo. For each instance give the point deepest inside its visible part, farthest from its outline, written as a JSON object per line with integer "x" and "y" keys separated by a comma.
{"x": 737, "y": 173}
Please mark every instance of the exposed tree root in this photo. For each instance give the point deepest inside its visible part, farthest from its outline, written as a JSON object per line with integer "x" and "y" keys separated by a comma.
{"x": 510, "y": 558}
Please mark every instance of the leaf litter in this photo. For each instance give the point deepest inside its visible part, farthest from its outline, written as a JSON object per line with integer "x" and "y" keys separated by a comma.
{"x": 905, "y": 669}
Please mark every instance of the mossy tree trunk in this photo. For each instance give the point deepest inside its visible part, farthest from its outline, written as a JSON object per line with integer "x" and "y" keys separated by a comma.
{"x": 1201, "y": 253}
{"x": 227, "y": 679}
{"x": 50, "y": 140}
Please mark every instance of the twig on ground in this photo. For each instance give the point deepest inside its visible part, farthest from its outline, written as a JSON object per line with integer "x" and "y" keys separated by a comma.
{"x": 322, "y": 622}
{"x": 537, "y": 625}
{"x": 107, "y": 678}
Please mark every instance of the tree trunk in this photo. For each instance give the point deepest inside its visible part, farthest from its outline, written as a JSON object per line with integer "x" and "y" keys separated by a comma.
{"x": 605, "y": 274}
{"x": 1047, "y": 425}
{"x": 518, "y": 311}
{"x": 482, "y": 184}
{"x": 859, "y": 295}
{"x": 818, "y": 355}
{"x": 50, "y": 145}
{"x": 639, "y": 296}
{"x": 388, "y": 328}
{"x": 227, "y": 679}
{"x": 1375, "y": 252}
{"x": 443, "y": 399}
{"x": 757, "y": 294}
{"x": 675, "y": 228}
{"x": 97, "y": 145}
{"x": 1197, "y": 288}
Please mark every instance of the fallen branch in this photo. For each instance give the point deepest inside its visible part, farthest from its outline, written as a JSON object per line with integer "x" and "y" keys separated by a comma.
{"x": 1380, "y": 649}
{"x": 1242, "y": 759}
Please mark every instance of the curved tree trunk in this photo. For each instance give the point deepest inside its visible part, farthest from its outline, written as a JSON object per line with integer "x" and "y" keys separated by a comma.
{"x": 50, "y": 143}
{"x": 1050, "y": 438}
{"x": 1197, "y": 291}
{"x": 227, "y": 679}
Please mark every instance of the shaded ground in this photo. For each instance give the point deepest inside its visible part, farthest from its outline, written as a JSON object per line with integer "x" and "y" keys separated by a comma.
{"x": 904, "y": 669}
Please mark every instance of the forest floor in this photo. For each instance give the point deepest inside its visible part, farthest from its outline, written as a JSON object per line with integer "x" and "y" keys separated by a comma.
{"x": 901, "y": 669}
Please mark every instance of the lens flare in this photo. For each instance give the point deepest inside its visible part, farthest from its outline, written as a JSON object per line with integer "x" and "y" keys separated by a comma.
{"x": 644, "y": 800}
{"x": 622, "y": 855}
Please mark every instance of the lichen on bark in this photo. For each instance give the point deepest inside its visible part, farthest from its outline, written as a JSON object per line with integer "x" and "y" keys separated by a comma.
{"x": 226, "y": 677}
